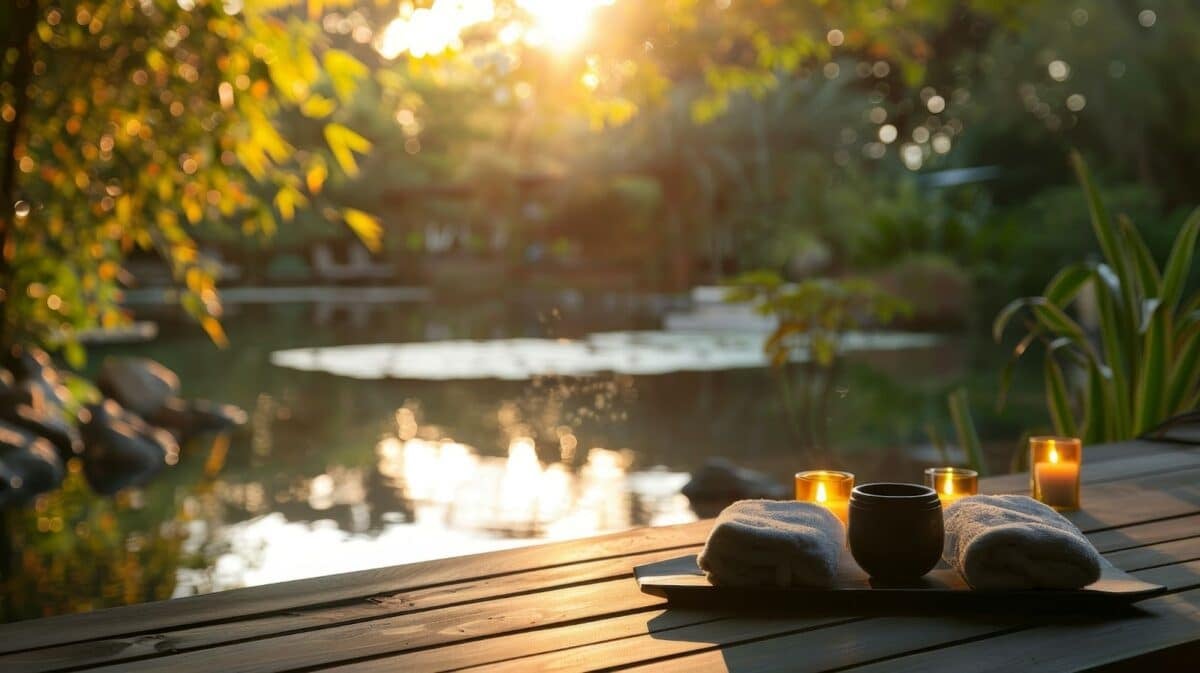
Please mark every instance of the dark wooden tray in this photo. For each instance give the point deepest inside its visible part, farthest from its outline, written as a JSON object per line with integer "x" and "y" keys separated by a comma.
{"x": 682, "y": 583}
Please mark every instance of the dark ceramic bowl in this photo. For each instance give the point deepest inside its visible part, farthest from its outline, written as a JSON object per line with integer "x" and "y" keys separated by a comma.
{"x": 895, "y": 530}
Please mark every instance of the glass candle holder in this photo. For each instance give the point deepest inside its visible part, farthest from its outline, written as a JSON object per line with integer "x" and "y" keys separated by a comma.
{"x": 828, "y": 488}
{"x": 1054, "y": 465}
{"x": 952, "y": 483}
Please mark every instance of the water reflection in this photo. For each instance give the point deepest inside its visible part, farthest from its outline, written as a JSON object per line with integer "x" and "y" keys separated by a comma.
{"x": 452, "y": 500}
{"x": 520, "y": 496}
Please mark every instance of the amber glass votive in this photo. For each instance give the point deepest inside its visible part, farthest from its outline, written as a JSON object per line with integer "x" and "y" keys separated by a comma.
{"x": 828, "y": 488}
{"x": 1054, "y": 465}
{"x": 952, "y": 483}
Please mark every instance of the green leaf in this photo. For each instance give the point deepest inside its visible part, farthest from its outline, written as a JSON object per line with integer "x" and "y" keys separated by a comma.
{"x": 1179, "y": 264}
{"x": 1006, "y": 374}
{"x": 964, "y": 428}
{"x": 1057, "y": 399}
{"x": 1149, "y": 308}
{"x": 1147, "y": 270}
{"x": 1113, "y": 336}
{"x": 344, "y": 143}
{"x": 1056, "y": 320}
{"x": 1149, "y": 394}
{"x": 1004, "y": 316}
{"x": 1067, "y": 283}
{"x": 1107, "y": 235}
{"x": 1185, "y": 373}
{"x": 935, "y": 438}
{"x": 1097, "y": 421}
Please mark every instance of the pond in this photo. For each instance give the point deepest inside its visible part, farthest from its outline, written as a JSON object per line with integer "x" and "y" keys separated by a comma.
{"x": 385, "y": 433}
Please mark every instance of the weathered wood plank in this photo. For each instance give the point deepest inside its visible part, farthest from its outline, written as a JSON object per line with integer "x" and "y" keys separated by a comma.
{"x": 889, "y": 640}
{"x": 1164, "y": 553}
{"x": 124, "y": 648}
{"x": 1117, "y": 504}
{"x": 1117, "y": 462}
{"x": 108, "y": 651}
{"x": 548, "y": 654}
{"x": 237, "y": 603}
{"x": 1163, "y": 623}
{"x": 1147, "y": 533}
{"x": 406, "y": 632}
{"x": 599, "y": 644}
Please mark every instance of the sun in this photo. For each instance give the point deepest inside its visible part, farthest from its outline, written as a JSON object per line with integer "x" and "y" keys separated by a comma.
{"x": 556, "y": 25}
{"x": 560, "y": 25}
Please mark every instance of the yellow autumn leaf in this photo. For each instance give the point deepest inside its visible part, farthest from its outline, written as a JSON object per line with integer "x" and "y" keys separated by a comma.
{"x": 108, "y": 270}
{"x": 212, "y": 327}
{"x": 266, "y": 222}
{"x": 365, "y": 226}
{"x": 192, "y": 209}
{"x": 286, "y": 200}
{"x": 253, "y": 159}
{"x": 194, "y": 279}
{"x": 124, "y": 209}
{"x": 315, "y": 176}
{"x": 264, "y": 134}
{"x": 166, "y": 188}
{"x": 315, "y": 8}
{"x": 185, "y": 253}
{"x": 344, "y": 73}
{"x": 344, "y": 143}
{"x": 318, "y": 107}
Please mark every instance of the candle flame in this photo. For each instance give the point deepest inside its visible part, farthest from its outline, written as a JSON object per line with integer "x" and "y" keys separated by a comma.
{"x": 948, "y": 485}
{"x": 1053, "y": 454}
{"x": 821, "y": 496}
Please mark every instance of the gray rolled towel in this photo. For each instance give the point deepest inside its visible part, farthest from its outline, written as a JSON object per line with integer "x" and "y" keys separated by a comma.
{"x": 1016, "y": 542}
{"x": 773, "y": 543}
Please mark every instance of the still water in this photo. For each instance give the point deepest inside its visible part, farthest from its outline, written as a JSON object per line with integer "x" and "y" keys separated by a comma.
{"x": 393, "y": 433}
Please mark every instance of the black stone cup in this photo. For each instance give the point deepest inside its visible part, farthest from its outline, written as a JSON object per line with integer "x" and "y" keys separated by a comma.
{"x": 896, "y": 530}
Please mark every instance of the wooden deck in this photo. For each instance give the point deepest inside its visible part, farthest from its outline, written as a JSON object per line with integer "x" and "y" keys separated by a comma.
{"x": 574, "y": 606}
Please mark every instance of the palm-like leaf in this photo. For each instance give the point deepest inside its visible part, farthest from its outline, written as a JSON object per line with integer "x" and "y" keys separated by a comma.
{"x": 1146, "y": 365}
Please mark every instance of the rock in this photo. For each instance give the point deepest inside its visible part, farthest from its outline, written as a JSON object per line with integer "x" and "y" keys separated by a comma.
{"x": 141, "y": 385}
{"x": 719, "y": 483}
{"x": 192, "y": 417}
{"x": 28, "y": 361}
{"x": 29, "y": 465}
{"x": 28, "y": 405}
{"x": 121, "y": 449}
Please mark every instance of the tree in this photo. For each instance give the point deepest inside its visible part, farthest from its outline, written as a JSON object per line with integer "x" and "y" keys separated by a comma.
{"x": 128, "y": 123}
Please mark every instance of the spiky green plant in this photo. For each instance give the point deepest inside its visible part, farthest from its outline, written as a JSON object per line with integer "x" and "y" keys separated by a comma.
{"x": 1146, "y": 366}
{"x": 813, "y": 317}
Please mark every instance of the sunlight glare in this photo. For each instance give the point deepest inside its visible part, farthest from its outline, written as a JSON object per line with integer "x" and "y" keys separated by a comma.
{"x": 560, "y": 24}
{"x": 432, "y": 30}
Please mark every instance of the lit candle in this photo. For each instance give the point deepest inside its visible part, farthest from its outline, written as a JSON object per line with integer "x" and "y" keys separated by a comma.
{"x": 827, "y": 488}
{"x": 952, "y": 483}
{"x": 1055, "y": 474}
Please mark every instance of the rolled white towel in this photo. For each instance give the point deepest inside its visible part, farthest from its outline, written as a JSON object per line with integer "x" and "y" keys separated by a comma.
{"x": 772, "y": 542}
{"x": 1016, "y": 542}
